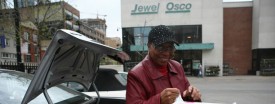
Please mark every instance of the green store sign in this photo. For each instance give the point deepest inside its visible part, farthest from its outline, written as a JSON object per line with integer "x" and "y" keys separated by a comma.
{"x": 154, "y": 9}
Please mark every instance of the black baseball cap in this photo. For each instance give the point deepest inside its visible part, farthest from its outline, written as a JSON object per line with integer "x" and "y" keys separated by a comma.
{"x": 161, "y": 34}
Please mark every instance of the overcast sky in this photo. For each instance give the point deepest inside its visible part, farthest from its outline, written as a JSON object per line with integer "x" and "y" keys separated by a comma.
{"x": 111, "y": 8}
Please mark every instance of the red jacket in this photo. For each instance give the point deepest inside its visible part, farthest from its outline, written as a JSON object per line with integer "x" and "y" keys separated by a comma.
{"x": 145, "y": 82}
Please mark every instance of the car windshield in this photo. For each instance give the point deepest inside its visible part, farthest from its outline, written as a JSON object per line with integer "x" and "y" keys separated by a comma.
{"x": 122, "y": 78}
{"x": 107, "y": 80}
{"x": 14, "y": 86}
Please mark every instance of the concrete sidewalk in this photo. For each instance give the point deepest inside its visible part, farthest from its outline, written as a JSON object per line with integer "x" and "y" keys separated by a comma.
{"x": 229, "y": 89}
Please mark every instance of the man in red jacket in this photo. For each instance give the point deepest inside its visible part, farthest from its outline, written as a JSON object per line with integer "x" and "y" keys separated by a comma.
{"x": 157, "y": 79}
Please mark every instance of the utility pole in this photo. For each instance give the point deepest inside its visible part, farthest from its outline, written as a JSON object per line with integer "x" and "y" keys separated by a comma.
{"x": 18, "y": 45}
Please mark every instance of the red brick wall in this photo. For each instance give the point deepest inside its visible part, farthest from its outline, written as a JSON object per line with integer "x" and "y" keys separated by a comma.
{"x": 30, "y": 41}
{"x": 71, "y": 9}
{"x": 237, "y": 41}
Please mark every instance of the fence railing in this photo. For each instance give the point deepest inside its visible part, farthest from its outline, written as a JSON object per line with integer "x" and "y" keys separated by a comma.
{"x": 24, "y": 67}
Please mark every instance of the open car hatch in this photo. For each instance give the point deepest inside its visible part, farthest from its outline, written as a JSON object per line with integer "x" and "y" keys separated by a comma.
{"x": 70, "y": 57}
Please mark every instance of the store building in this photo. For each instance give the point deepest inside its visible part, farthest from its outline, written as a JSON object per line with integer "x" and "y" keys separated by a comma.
{"x": 212, "y": 33}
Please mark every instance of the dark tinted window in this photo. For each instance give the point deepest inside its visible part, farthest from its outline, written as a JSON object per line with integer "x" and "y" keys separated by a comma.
{"x": 108, "y": 80}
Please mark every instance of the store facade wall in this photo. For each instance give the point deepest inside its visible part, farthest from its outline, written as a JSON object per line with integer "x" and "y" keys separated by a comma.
{"x": 237, "y": 41}
{"x": 206, "y": 17}
{"x": 263, "y": 24}
{"x": 263, "y": 47}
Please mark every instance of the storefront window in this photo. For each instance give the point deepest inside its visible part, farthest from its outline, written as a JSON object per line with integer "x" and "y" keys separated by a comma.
{"x": 187, "y": 33}
{"x": 184, "y": 34}
{"x": 138, "y": 36}
{"x": 141, "y": 35}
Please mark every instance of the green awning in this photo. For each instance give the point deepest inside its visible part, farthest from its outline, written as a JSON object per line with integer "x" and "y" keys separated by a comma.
{"x": 195, "y": 46}
{"x": 185, "y": 46}
{"x": 138, "y": 48}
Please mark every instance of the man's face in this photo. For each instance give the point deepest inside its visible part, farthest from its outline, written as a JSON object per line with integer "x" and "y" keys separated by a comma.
{"x": 162, "y": 53}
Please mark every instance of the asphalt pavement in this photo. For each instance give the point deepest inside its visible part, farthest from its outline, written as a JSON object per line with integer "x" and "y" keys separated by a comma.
{"x": 247, "y": 89}
{"x": 236, "y": 89}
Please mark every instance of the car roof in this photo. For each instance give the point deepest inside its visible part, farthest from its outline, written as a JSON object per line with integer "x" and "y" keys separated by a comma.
{"x": 70, "y": 57}
{"x": 107, "y": 70}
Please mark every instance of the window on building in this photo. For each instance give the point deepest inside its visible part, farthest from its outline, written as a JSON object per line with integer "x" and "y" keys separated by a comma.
{"x": 5, "y": 55}
{"x": 20, "y": 4}
{"x": 187, "y": 33}
{"x": 7, "y": 42}
{"x": 36, "y": 58}
{"x": 8, "y": 55}
{"x": 14, "y": 56}
{"x": 184, "y": 34}
{"x": 31, "y": 2}
{"x": 26, "y": 36}
{"x": 29, "y": 48}
{"x": 14, "y": 43}
{"x": 34, "y": 38}
{"x": 36, "y": 49}
{"x": 69, "y": 15}
{"x": 27, "y": 58}
{"x": 75, "y": 17}
{"x": 141, "y": 35}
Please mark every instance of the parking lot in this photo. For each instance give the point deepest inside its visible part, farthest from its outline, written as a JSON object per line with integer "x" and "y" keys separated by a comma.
{"x": 236, "y": 89}
{"x": 245, "y": 89}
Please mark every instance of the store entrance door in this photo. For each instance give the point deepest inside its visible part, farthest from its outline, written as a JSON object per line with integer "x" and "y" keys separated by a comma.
{"x": 191, "y": 67}
{"x": 187, "y": 66}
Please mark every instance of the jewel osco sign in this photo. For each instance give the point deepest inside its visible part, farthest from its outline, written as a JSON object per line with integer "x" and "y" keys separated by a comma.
{"x": 170, "y": 7}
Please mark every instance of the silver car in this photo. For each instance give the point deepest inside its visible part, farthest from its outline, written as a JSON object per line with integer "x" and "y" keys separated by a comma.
{"x": 14, "y": 84}
{"x": 70, "y": 57}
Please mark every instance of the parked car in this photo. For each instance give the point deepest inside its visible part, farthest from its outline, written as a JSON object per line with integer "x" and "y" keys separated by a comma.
{"x": 70, "y": 57}
{"x": 123, "y": 75}
{"x": 14, "y": 84}
{"x": 109, "y": 82}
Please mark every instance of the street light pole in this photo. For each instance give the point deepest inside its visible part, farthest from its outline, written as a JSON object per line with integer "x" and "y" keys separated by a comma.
{"x": 18, "y": 45}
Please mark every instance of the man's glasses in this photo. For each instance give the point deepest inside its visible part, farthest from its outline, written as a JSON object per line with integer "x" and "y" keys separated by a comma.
{"x": 161, "y": 48}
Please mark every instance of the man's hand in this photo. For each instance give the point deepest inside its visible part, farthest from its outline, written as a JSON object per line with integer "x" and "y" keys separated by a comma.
{"x": 169, "y": 95}
{"x": 192, "y": 93}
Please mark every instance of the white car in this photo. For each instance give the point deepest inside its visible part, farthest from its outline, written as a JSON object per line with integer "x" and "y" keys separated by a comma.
{"x": 109, "y": 83}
